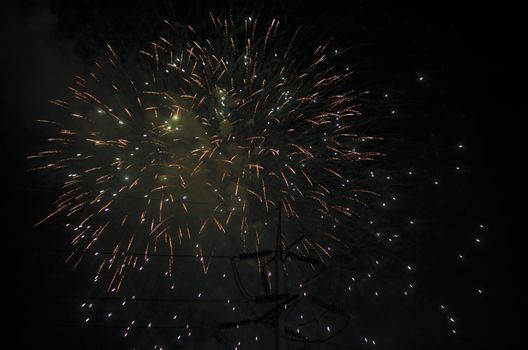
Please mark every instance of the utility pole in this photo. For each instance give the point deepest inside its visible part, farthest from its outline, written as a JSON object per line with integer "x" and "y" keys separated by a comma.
{"x": 279, "y": 284}
{"x": 280, "y": 296}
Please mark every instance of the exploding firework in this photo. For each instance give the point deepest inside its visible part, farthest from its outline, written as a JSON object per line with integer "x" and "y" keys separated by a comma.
{"x": 196, "y": 143}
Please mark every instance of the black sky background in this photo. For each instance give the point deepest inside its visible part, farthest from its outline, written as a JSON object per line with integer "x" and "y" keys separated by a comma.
{"x": 468, "y": 55}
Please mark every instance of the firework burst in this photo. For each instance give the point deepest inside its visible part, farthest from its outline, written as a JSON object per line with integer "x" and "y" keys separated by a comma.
{"x": 193, "y": 145}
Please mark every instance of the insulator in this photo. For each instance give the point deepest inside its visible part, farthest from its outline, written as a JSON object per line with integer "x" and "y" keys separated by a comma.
{"x": 235, "y": 324}
{"x": 254, "y": 255}
{"x": 328, "y": 306}
{"x": 270, "y": 298}
{"x": 293, "y": 333}
{"x": 303, "y": 258}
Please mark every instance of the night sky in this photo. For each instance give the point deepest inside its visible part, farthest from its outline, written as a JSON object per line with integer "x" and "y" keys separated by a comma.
{"x": 451, "y": 73}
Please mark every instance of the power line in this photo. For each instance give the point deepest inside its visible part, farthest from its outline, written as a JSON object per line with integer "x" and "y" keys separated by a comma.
{"x": 129, "y": 326}
{"x": 161, "y": 300}
{"x": 148, "y": 255}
